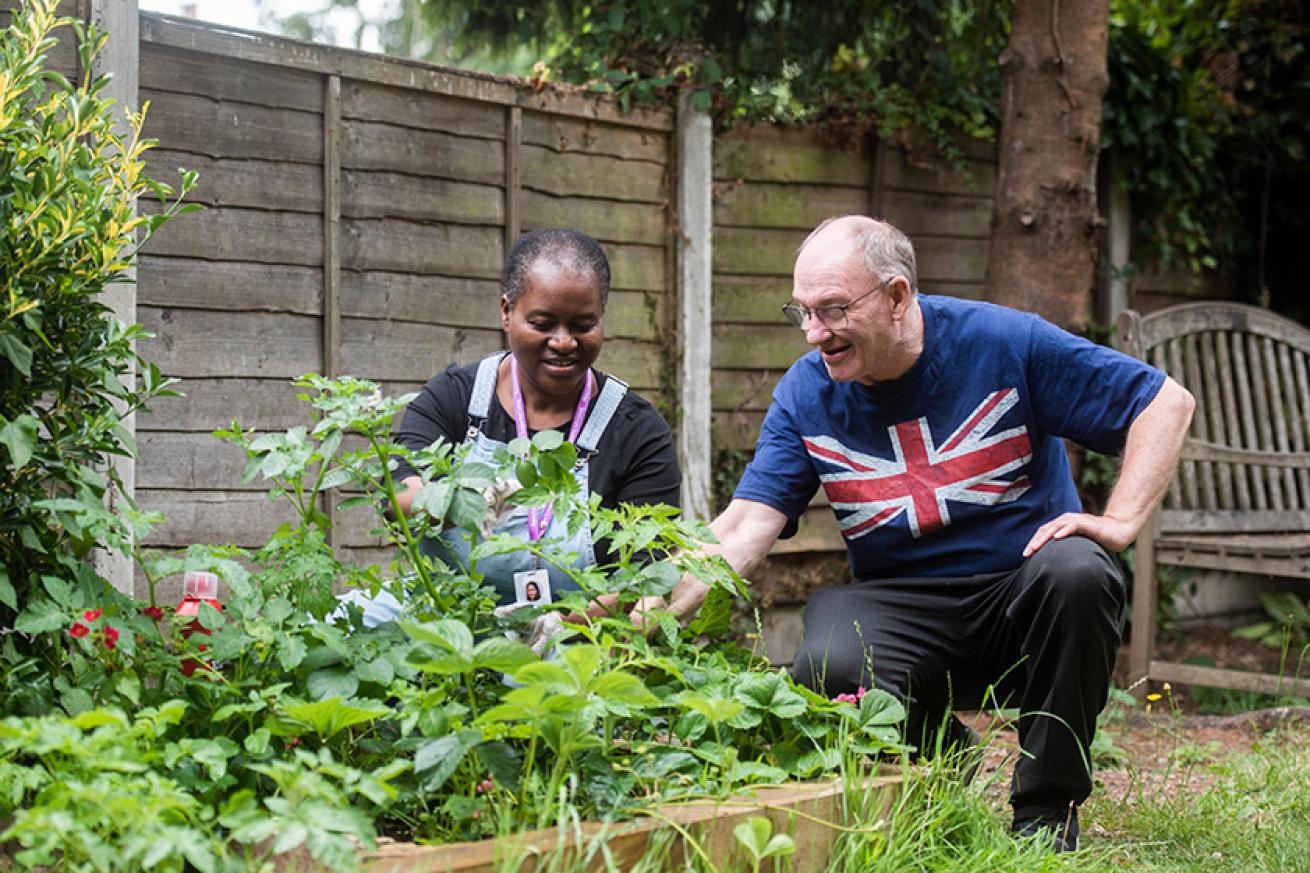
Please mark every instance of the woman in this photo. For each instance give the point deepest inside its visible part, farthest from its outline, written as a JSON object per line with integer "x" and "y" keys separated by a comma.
{"x": 554, "y": 289}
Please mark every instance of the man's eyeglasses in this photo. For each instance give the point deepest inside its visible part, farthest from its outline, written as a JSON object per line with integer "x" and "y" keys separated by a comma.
{"x": 832, "y": 316}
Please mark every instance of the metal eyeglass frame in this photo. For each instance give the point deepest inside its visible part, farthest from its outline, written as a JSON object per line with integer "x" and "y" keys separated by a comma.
{"x": 825, "y": 315}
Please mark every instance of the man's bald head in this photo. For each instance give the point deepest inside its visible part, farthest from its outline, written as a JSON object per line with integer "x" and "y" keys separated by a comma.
{"x": 886, "y": 251}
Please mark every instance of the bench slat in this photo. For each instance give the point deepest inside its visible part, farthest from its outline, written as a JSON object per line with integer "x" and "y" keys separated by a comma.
{"x": 1302, "y": 430}
{"x": 1215, "y": 413}
{"x": 1242, "y": 491}
{"x": 1208, "y": 521}
{"x": 1191, "y": 499}
{"x": 1244, "y": 403}
{"x": 1277, "y": 401}
{"x": 1260, "y": 395}
{"x": 1205, "y": 472}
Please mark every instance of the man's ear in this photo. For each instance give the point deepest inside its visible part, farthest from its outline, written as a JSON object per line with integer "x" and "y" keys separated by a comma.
{"x": 900, "y": 295}
{"x": 505, "y": 307}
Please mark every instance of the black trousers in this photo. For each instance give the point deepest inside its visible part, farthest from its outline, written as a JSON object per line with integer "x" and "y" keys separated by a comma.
{"x": 1041, "y": 638}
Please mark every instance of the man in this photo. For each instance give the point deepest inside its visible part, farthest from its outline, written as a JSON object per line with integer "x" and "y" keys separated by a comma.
{"x": 935, "y": 427}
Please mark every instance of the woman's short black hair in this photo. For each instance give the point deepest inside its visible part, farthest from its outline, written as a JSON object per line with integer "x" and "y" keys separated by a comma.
{"x": 567, "y": 248}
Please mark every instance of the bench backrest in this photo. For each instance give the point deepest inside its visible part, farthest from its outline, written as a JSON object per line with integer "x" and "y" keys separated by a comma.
{"x": 1246, "y": 463}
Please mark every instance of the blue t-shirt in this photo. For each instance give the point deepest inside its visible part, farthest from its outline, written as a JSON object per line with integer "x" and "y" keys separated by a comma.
{"x": 948, "y": 470}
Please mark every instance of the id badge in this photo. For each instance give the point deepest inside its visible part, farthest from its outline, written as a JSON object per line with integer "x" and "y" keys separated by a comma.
{"x": 532, "y": 586}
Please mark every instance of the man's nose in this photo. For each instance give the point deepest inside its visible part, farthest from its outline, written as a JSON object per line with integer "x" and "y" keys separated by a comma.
{"x": 815, "y": 331}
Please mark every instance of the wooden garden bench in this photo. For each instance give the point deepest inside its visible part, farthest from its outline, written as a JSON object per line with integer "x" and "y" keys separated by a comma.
{"x": 1240, "y": 500}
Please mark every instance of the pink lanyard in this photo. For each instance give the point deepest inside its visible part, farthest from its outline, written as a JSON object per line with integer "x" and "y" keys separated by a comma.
{"x": 539, "y": 517}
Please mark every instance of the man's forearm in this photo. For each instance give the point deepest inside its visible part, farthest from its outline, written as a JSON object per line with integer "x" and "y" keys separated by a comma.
{"x": 1151, "y": 454}
{"x": 745, "y": 532}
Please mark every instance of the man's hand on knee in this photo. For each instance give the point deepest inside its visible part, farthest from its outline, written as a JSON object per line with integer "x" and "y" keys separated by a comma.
{"x": 1113, "y": 534}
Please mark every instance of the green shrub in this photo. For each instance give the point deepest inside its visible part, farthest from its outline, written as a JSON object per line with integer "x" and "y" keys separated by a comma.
{"x": 67, "y": 230}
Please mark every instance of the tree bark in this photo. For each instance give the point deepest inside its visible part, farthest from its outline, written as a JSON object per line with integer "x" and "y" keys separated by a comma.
{"x": 1045, "y": 225}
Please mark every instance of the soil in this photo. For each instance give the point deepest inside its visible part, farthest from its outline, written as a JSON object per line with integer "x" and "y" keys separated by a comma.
{"x": 1162, "y": 742}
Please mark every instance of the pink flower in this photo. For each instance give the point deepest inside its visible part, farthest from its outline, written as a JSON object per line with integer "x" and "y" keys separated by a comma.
{"x": 111, "y": 637}
{"x": 477, "y": 813}
{"x": 153, "y": 612}
{"x": 78, "y": 630}
{"x": 92, "y": 614}
{"x": 852, "y": 699}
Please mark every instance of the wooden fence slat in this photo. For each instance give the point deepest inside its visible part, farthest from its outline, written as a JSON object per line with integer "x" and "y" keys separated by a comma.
{"x": 740, "y": 155}
{"x": 938, "y": 214}
{"x": 750, "y": 300}
{"x": 405, "y": 351}
{"x": 975, "y": 177}
{"x": 1228, "y": 403}
{"x": 195, "y": 343}
{"x": 243, "y": 518}
{"x": 225, "y": 129}
{"x": 189, "y": 283}
{"x": 229, "y": 233}
{"x": 640, "y": 364}
{"x": 1245, "y": 404}
{"x": 210, "y": 404}
{"x": 756, "y": 251}
{"x": 367, "y": 101}
{"x": 948, "y": 261}
{"x": 563, "y": 134}
{"x": 738, "y": 430}
{"x": 744, "y": 390}
{"x": 604, "y": 220}
{"x": 270, "y": 185}
{"x": 411, "y": 247}
{"x": 797, "y": 207}
{"x": 573, "y": 174}
{"x": 182, "y": 460}
{"x": 225, "y": 78}
{"x": 419, "y": 198}
{"x": 637, "y": 267}
{"x": 775, "y": 347}
{"x": 444, "y": 300}
{"x": 369, "y": 145}
{"x": 635, "y": 315}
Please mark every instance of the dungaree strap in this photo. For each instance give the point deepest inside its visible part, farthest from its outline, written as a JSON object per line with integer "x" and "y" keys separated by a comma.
{"x": 484, "y": 386}
{"x": 606, "y": 405}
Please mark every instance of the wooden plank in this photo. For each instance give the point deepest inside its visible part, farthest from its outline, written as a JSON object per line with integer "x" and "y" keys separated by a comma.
{"x": 1245, "y": 404}
{"x": 226, "y": 129}
{"x": 182, "y": 460}
{"x": 744, "y": 390}
{"x": 367, "y": 145}
{"x": 563, "y": 134}
{"x": 1200, "y": 450}
{"x": 1205, "y": 475}
{"x": 974, "y": 177}
{"x": 946, "y": 260}
{"x": 793, "y": 206}
{"x": 640, "y": 364}
{"x": 938, "y": 214}
{"x": 369, "y": 101}
{"x": 269, "y": 185}
{"x": 1263, "y": 683}
{"x": 802, "y": 158}
{"x": 210, "y": 404}
{"x": 757, "y": 346}
{"x": 513, "y": 199}
{"x": 1254, "y": 521}
{"x": 1228, "y": 404}
{"x": 756, "y": 251}
{"x": 1188, "y": 468}
{"x": 958, "y": 289}
{"x": 604, "y": 220}
{"x": 227, "y": 78}
{"x": 332, "y": 226}
{"x": 350, "y": 64}
{"x": 1277, "y": 401}
{"x": 405, "y": 351}
{"x": 1303, "y": 416}
{"x": 242, "y": 518}
{"x": 193, "y": 284}
{"x": 229, "y": 233}
{"x": 738, "y": 430}
{"x": 574, "y": 174}
{"x": 444, "y": 300}
{"x": 1192, "y": 317}
{"x": 750, "y": 299}
{"x": 637, "y": 267}
{"x": 194, "y": 343}
{"x": 635, "y": 315}
{"x": 411, "y": 247}
{"x": 420, "y": 198}
{"x": 1259, "y": 389}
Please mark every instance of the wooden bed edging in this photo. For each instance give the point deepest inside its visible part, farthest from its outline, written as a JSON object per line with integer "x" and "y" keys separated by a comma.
{"x": 804, "y": 810}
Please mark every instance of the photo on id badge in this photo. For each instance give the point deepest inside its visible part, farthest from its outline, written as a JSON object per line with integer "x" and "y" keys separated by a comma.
{"x": 532, "y": 588}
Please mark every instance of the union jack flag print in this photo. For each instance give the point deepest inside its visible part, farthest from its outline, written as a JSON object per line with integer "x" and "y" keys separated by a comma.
{"x": 971, "y": 466}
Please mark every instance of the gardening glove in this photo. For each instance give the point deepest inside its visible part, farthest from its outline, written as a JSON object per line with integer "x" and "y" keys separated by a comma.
{"x": 498, "y": 505}
{"x": 543, "y": 629}
{"x": 505, "y": 612}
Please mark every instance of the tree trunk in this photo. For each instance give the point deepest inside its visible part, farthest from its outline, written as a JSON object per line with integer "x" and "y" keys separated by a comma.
{"x": 1044, "y": 229}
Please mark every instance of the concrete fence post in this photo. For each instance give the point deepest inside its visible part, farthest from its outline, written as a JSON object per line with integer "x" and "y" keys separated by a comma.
{"x": 695, "y": 326}
{"x": 121, "y": 58}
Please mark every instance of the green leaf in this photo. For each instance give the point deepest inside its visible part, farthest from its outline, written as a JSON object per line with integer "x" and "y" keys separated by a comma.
{"x": 547, "y": 440}
{"x": 769, "y": 693}
{"x": 18, "y": 354}
{"x": 8, "y": 596}
{"x": 439, "y": 758}
{"x": 40, "y": 616}
{"x": 623, "y": 688}
{"x": 446, "y": 634}
{"x": 332, "y": 682}
{"x": 379, "y": 671}
{"x": 257, "y": 743}
{"x": 503, "y": 762}
{"x": 19, "y": 436}
{"x": 505, "y": 655}
{"x": 327, "y": 717}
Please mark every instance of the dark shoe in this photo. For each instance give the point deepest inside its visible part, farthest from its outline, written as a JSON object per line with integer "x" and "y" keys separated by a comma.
{"x": 1060, "y": 828}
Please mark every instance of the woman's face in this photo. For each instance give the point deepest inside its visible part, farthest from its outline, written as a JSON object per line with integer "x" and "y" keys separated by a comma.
{"x": 555, "y": 328}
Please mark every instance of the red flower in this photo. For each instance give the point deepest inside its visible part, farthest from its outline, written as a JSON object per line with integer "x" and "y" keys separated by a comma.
{"x": 79, "y": 630}
{"x": 153, "y": 612}
{"x": 111, "y": 637}
{"x": 92, "y": 614}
